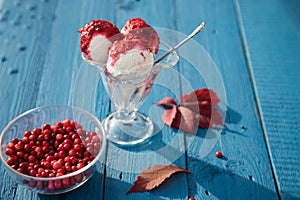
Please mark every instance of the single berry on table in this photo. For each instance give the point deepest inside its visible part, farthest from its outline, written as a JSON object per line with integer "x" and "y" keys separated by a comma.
{"x": 219, "y": 154}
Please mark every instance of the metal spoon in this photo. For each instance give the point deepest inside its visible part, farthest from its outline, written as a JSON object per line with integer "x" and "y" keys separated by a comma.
{"x": 195, "y": 32}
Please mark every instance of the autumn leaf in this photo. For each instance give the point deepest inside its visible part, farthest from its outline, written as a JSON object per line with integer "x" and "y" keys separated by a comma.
{"x": 184, "y": 120}
{"x": 169, "y": 115}
{"x": 167, "y": 102}
{"x": 212, "y": 120}
{"x": 201, "y": 96}
{"x": 153, "y": 177}
{"x": 197, "y": 109}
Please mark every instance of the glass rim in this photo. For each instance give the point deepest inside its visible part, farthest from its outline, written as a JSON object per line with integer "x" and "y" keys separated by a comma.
{"x": 155, "y": 68}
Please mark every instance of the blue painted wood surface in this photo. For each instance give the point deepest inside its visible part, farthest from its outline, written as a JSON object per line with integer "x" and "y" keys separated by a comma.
{"x": 255, "y": 46}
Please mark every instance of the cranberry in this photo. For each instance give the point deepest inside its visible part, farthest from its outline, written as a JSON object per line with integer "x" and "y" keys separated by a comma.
{"x": 27, "y": 133}
{"x": 72, "y": 152}
{"x": 32, "y": 183}
{"x": 21, "y": 170}
{"x": 59, "y": 174}
{"x": 78, "y": 177}
{"x": 77, "y": 147}
{"x": 47, "y": 165}
{"x": 11, "y": 160}
{"x": 59, "y": 137}
{"x": 9, "y": 151}
{"x": 46, "y": 127}
{"x": 49, "y": 158}
{"x": 95, "y": 139}
{"x": 23, "y": 165}
{"x": 191, "y": 198}
{"x": 19, "y": 147}
{"x": 27, "y": 148}
{"x": 66, "y": 123}
{"x": 68, "y": 168}
{"x": 66, "y": 182}
{"x": 31, "y": 159}
{"x": 62, "y": 154}
{"x": 53, "y": 151}
{"x": 72, "y": 181}
{"x": 219, "y": 154}
{"x": 39, "y": 185}
{"x": 32, "y": 137}
{"x": 56, "y": 165}
{"x": 36, "y": 131}
{"x": 79, "y": 166}
{"x": 57, "y": 184}
{"x": 61, "y": 170}
{"x": 51, "y": 185}
{"x": 15, "y": 140}
{"x": 25, "y": 140}
{"x": 11, "y": 145}
{"x": 32, "y": 172}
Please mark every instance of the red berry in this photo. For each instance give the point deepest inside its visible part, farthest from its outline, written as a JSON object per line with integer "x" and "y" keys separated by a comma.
{"x": 15, "y": 140}
{"x": 192, "y": 198}
{"x": 36, "y": 131}
{"x": 77, "y": 147}
{"x": 32, "y": 172}
{"x": 78, "y": 177}
{"x": 11, "y": 160}
{"x": 51, "y": 185}
{"x": 79, "y": 166}
{"x": 46, "y": 127}
{"x": 57, "y": 184}
{"x": 66, "y": 182}
{"x": 25, "y": 140}
{"x": 56, "y": 165}
{"x": 95, "y": 139}
{"x": 219, "y": 154}
{"x": 27, "y": 133}
{"x": 67, "y": 146}
{"x": 20, "y": 154}
{"x": 59, "y": 137}
{"x": 9, "y": 151}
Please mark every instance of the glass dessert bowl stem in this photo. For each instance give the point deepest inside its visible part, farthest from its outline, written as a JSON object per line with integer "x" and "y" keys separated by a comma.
{"x": 127, "y": 126}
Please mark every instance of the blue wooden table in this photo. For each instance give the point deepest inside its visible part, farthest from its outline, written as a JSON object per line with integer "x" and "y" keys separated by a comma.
{"x": 255, "y": 46}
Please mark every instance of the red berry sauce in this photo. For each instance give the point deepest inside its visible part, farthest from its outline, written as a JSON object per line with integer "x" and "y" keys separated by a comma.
{"x": 95, "y": 27}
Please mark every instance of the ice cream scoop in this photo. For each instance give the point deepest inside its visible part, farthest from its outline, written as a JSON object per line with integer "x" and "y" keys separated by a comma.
{"x": 129, "y": 59}
{"x": 138, "y": 29}
{"x": 97, "y": 37}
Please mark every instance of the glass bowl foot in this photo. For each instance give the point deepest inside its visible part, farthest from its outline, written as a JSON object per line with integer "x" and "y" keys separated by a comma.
{"x": 135, "y": 130}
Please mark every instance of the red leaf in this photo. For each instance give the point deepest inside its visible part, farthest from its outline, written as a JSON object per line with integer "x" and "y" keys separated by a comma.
{"x": 197, "y": 109}
{"x": 169, "y": 115}
{"x": 153, "y": 177}
{"x": 201, "y": 97}
{"x": 209, "y": 120}
{"x": 184, "y": 120}
{"x": 167, "y": 102}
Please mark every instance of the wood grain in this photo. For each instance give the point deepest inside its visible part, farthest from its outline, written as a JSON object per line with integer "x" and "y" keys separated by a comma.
{"x": 24, "y": 44}
{"x": 273, "y": 48}
{"x": 240, "y": 174}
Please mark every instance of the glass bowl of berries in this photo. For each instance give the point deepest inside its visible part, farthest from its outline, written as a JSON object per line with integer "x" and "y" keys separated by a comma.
{"x": 52, "y": 149}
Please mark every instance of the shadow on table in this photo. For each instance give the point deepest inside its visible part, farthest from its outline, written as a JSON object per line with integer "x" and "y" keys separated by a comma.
{"x": 224, "y": 184}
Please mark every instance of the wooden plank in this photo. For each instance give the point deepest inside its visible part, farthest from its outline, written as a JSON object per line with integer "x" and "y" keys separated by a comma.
{"x": 167, "y": 146}
{"x": 271, "y": 33}
{"x": 24, "y": 42}
{"x": 75, "y": 86}
{"x": 245, "y": 171}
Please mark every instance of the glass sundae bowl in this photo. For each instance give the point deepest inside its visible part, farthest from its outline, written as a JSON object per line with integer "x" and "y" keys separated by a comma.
{"x": 127, "y": 126}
